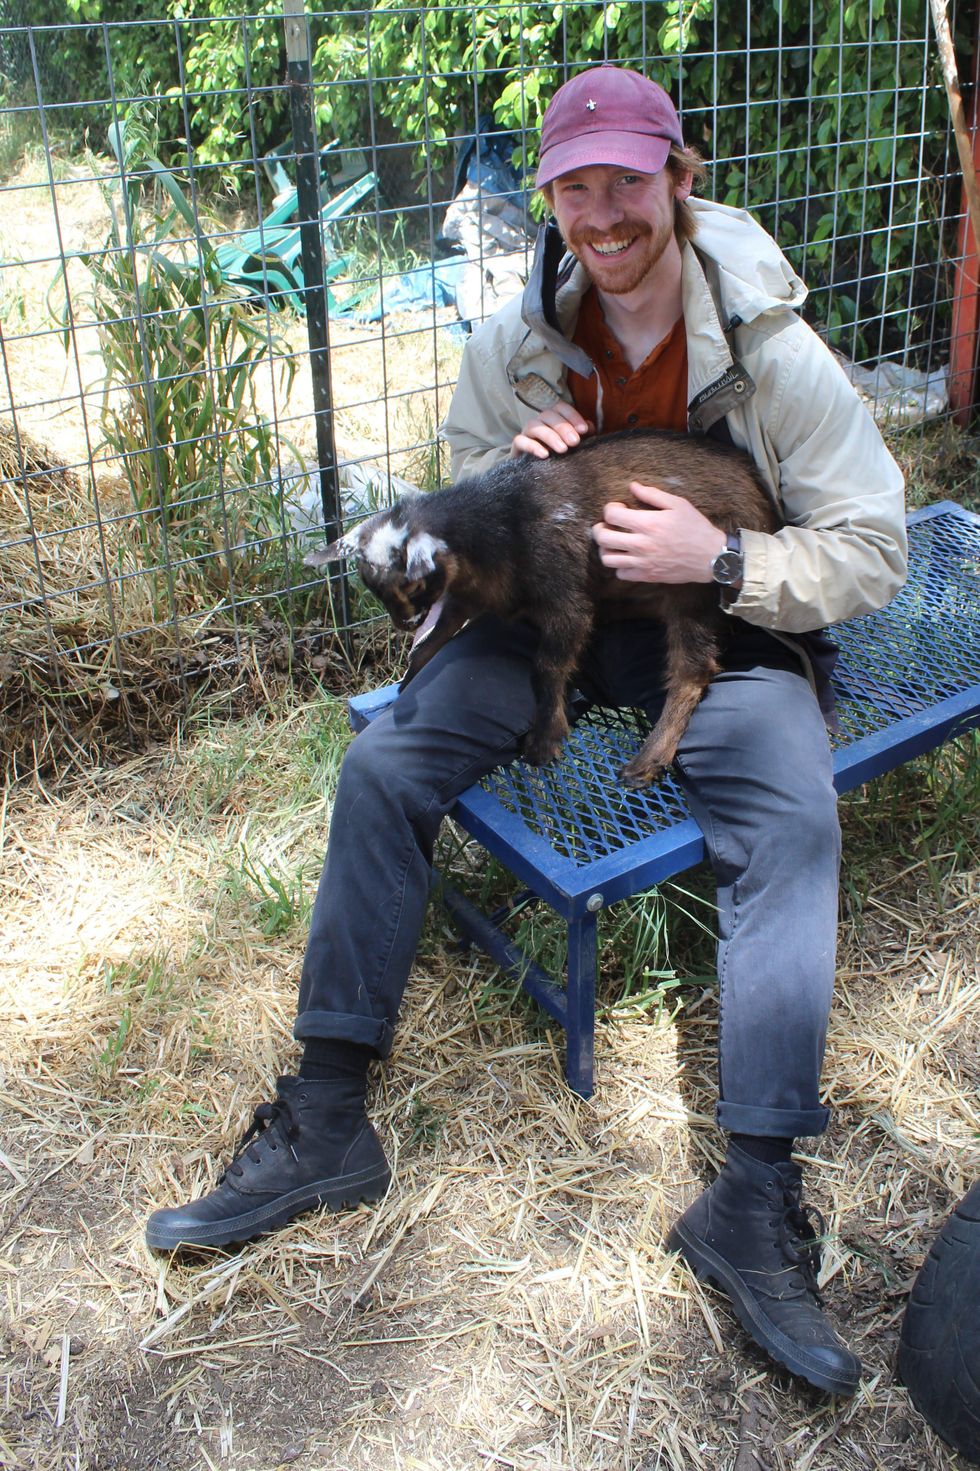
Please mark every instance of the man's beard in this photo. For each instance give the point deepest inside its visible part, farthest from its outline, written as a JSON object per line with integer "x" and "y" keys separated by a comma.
{"x": 615, "y": 277}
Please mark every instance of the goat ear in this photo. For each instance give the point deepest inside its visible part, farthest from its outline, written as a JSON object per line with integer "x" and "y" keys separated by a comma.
{"x": 422, "y": 554}
{"x": 345, "y": 546}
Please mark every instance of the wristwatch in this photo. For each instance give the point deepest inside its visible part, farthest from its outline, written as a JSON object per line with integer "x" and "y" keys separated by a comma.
{"x": 727, "y": 567}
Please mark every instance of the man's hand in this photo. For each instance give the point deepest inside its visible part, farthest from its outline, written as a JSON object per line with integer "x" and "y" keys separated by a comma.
{"x": 552, "y": 432}
{"x": 670, "y": 542}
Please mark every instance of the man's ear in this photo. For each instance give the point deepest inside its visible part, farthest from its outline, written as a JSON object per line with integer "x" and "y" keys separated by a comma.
{"x": 422, "y": 554}
{"x": 345, "y": 546}
{"x": 683, "y": 184}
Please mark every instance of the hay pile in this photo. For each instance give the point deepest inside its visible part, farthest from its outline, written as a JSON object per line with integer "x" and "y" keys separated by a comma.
{"x": 106, "y": 647}
{"x": 63, "y": 607}
{"x": 510, "y": 1303}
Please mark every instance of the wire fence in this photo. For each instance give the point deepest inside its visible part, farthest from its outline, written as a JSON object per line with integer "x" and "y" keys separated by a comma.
{"x": 185, "y": 403}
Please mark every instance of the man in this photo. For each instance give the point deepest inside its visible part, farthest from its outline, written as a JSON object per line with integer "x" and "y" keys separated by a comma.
{"x": 671, "y": 312}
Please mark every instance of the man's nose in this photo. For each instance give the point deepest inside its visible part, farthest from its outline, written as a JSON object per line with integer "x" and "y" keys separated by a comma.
{"x": 606, "y": 210}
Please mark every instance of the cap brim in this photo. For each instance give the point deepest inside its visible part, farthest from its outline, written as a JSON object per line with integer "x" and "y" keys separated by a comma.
{"x": 639, "y": 151}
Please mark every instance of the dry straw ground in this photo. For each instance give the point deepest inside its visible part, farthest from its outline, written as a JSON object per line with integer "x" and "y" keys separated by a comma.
{"x": 510, "y": 1303}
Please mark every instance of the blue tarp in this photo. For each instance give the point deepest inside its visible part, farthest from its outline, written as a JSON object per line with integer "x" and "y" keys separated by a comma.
{"x": 432, "y": 284}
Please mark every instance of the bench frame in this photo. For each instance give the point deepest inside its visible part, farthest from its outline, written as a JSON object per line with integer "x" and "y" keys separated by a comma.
{"x": 939, "y": 607}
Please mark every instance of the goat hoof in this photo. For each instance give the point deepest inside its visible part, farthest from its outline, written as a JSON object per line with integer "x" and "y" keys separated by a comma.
{"x": 541, "y": 752}
{"x": 637, "y": 777}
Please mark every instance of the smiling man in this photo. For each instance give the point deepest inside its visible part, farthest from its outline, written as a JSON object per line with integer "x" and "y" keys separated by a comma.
{"x": 646, "y": 307}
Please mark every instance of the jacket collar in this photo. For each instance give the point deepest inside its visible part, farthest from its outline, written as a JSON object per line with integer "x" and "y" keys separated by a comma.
{"x": 541, "y": 305}
{"x": 549, "y": 308}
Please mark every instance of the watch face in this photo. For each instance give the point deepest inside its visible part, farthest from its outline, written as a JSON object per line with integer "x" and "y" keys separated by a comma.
{"x": 727, "y": 568}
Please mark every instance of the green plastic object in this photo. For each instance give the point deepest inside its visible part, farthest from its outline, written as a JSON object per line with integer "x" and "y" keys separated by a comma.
{"x": 268, "y": 261}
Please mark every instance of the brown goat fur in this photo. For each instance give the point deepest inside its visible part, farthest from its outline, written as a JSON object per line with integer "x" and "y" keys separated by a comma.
{"x": 516, "y": 541}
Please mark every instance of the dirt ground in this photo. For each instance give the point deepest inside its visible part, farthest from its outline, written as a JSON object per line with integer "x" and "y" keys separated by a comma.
{"x": 511, "y": 1302}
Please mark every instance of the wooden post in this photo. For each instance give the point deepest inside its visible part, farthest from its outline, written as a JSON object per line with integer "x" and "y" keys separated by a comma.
{"x": 964, "y": 348}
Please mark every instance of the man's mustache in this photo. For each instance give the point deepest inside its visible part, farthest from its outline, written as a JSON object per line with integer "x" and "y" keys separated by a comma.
{"x": 626, "y": 230}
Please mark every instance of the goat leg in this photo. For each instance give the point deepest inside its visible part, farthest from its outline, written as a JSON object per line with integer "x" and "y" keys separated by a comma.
{"x": 452, "y": 616}
{"x": 562, "y": 641}
{"x": 549, "y": 728}
{"x": 692, "y": 662}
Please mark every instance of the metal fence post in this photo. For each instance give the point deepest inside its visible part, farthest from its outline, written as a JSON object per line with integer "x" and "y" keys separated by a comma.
{"x": 300, "y": 78}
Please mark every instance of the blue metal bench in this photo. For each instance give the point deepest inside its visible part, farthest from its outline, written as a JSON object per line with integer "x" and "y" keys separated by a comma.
{"x": 908, "y": 678}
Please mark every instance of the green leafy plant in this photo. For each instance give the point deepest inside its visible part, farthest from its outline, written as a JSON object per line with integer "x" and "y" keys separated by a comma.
{"x": 426, "y": 1123}
{"x": 813, "y": 123}
{"x": 141, "y": 985}
{"x": 819, "y": 123}
{"x": 281, "y": 901}
{"x": 183, "y": 352}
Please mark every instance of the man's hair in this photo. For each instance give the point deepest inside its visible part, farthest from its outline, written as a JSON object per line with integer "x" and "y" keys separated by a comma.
{"x": 680, "y": 161}
{"x": 686, "y": 161}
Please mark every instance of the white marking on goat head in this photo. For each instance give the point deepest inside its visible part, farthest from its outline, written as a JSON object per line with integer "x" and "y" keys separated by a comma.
{"x": 382, "y": 541}
{"x": 421, "y": 552}
{"x": 345, "y": 546}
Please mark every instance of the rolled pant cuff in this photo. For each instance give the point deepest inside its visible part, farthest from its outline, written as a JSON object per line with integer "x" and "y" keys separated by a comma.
{"x": 772, "y": 1123}
{"x": 366, "y": 1030}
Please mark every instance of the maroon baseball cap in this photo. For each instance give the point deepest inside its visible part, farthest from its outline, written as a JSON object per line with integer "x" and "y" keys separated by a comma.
{"x": 608, "y": 114}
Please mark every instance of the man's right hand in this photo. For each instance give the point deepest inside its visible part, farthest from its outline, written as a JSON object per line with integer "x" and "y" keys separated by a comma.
{"x": 552, "y": 432}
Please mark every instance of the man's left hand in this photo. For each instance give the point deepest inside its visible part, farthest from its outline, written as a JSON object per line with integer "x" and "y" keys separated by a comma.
{"x": 664, "y": 539}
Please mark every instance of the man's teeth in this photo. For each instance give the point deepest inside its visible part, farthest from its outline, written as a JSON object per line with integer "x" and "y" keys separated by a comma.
{"x": 615, "y": 249}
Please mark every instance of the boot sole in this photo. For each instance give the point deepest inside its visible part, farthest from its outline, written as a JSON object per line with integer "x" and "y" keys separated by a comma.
{"x": 708, "y": 1267}
{"x": 336, "y": 1194}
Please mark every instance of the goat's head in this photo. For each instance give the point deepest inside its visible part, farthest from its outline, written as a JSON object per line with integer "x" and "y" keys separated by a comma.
{"x": 404, "y": 566}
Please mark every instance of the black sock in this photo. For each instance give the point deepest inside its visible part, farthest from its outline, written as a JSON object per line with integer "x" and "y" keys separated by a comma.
{"x": 325, "y": 1058}
{"x": 769, "y": 1149}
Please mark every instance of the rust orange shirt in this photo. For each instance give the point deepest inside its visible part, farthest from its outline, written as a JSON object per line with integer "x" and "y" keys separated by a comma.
{"x": 652, "y": 397}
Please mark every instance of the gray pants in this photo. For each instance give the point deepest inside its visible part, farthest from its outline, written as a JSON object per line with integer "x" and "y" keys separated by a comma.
{"x": 755, "y": 763}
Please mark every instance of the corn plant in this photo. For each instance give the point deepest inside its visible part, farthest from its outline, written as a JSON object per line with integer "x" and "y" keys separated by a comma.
{"x": 183, "y": 352}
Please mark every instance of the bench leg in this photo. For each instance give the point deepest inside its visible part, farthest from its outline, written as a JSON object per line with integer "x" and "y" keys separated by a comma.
{"x": 580, "y": 1015}
{"x": 573, "y": 1005}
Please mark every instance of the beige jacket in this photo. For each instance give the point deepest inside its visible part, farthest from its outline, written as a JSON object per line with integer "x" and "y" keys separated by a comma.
{"x": 843, "y": 550}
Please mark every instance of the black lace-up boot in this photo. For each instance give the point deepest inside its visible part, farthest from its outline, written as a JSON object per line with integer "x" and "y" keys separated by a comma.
{"x": 751, "y": 1235}
{"x": 314, "y": 1145}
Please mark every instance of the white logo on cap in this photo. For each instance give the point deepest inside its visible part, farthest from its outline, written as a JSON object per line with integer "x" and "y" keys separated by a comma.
{"x": 590, "y": 105}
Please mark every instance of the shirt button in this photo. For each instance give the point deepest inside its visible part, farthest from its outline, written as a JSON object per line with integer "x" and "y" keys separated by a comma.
{"x": 620, "y": 382}
{"x": 631, "y": 419}
{"x": 609, "y": 352}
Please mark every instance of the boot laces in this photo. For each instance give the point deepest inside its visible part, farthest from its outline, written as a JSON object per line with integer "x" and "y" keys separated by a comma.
{"x": 801, "y": 1230}
{"x": 280, "y": 1111}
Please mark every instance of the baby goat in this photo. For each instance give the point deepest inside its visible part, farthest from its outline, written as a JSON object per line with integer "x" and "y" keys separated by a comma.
{"x": 516, "y": 541}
